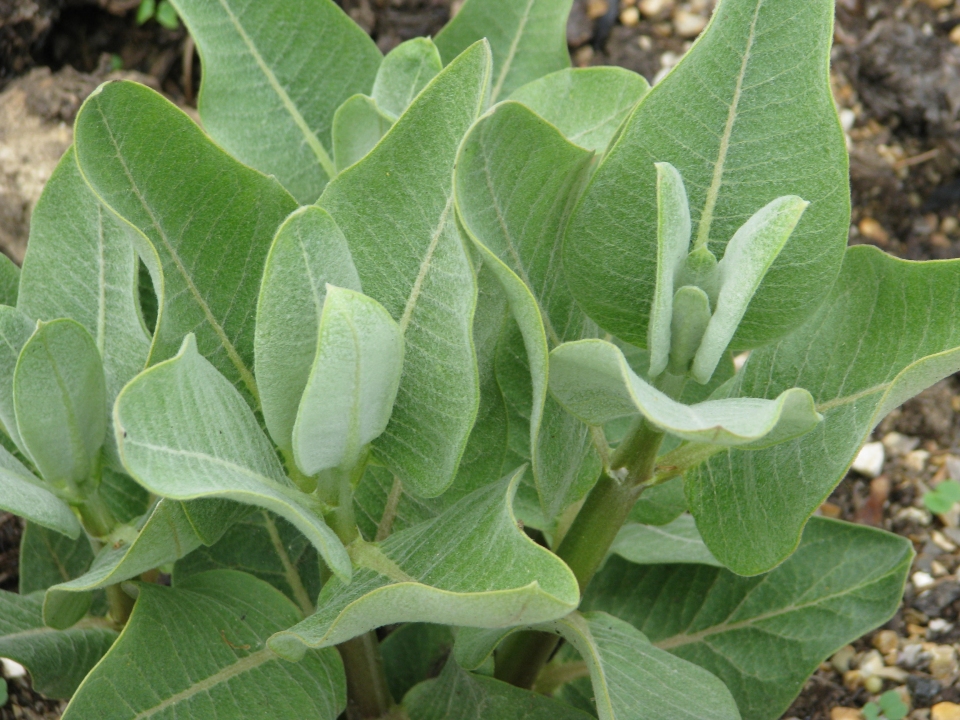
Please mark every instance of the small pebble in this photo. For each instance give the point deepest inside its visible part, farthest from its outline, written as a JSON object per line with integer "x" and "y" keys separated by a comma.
{"x": 921, "y": 580}
{"x": 941, "y": 542}
{"x": 842, "y": 657}
{"x": 923, "y": 688}
{"x": 945, "y": 711}
{"x": 955, "y": 35}
{"x": 953, "y": 462}
{"x": 939, "y": 626}
{"x": 652, "y": 8}
{"x": 872, "y": 230}
{"x": 869, "y": 461}
{"x": 943, "y": 665}
{"x": 920, "y": 516}
{"x": 645, "y": 43}
{"x": 911, "y": 656}
{"x": 873, "y": 684}
{"x": 899, "y": 445}
{"x": 916, "y": 460}
{"x": 847, "y": 118}
{"x": 597, "y": 8}
{"x": 11, "y": 669}
{"x": 843, "y": 713}
{"x": 885, "y": 641}
{"x": 630, "y": 17}
{"x": 688, "y": 24}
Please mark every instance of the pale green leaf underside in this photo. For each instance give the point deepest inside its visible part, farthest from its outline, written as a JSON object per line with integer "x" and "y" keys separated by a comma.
{"x": 676, "y": 542}
{"x": 9, "y": 281}
{"x": 353, "y": 382}
{"x": 15, "y": 329}
{"x": 208, "y": 221}
{"x": 592, "y": 379}
{"x": 358, "y": 126}
{"x": 57, "y": 660}
{"x": 746, "y": 116}
{"x": 308, "y": 252}
{"x": 459, "y": 695}
{"x": 186, "y": 433}
{"x": 404, "y": 72}
{"x": 60, "y": 399}
{"x": 763, "y": 636}
{"x": 48, "y": 558}
{"x": 470, "y": 566}
{"x": 586, "y": 104}
{"x": 395, "y": 209}
{"x": 273, "y": 76}
{"x": 528, "y": 38}
{"x": 197, "y": 651}
{"x": 634, "y": 680}
{"x": 887, "y": 330}
{"x": 22, "y": 493}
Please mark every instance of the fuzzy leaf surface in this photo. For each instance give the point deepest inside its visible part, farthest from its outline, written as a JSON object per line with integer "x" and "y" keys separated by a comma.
{"x": 746, "y": 116}
{"x": 23, "y": 494}
{"x": 887, "y": 330}
{"x": 358, "y": 126}
{"x": 197, "y": 651}
{"x": 208, "y": 220}
{"x": 470, "y": 566}
{"x": 676, "y": 542}
{"x": 395, "y": 209}
{"x": 764, "y": 635}
{"x": 48, "y": 558}
{"x": 57, "y": 660}
{"x": 273, "y": 76}
{"x": 15, "y": 329}
{"x": 186, "y": 433}
{"x": 586, "y": 104}
{"x": 9, "y": 281}
{"x": 404, "y": 72}
{"x": 528, "y": 39}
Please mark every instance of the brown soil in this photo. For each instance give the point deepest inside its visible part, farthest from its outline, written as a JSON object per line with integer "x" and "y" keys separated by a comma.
{"x": 896, "y": 75}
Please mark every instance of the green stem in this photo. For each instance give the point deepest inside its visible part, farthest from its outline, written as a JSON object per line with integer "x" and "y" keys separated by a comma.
{"x": 96, "y": 516}
{"x": 120, "y": 604}
{"x": 587, "y": 543}
{"x": 367, "y": 690}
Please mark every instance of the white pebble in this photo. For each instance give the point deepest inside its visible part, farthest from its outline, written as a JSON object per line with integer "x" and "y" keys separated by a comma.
{"x": 12, "y": 669}
{"x": 953, "y": 467}
{"x": 869, "y": 460}
{"x": 916, "y": 460}
{"x": 921, "y": 580}
{"x": 899, "y": 445}
{"x": 939, "y": 625}
{"x": 847, "y": 118}
{"x": 688, "y": 24}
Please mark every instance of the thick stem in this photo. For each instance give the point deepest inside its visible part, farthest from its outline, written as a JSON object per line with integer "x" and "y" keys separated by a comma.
{"x": 96, "y": 516}
{"x": 367, "y": 690}
{"x": 587, "y": 543}
{"x": 120, "y": 604}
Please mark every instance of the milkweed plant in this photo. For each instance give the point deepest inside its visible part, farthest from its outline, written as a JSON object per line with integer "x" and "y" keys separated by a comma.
{"x": 402, "y": 386}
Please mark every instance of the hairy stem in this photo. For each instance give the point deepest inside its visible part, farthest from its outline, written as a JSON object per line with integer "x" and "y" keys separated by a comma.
{"x": 367, "y": 690}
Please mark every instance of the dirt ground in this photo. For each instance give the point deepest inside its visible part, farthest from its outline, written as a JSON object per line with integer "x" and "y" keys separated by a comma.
{"x": 896, "y": 77}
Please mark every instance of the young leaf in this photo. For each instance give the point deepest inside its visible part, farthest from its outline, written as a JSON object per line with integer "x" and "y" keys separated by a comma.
{"x": 57, "y": 660}
{"x": 372, "y": 497}
{"x": 273, "y": 76}
{"x": 185, "y": 433}
{"x": 358, "y": 126}
{"x": 673, "y": 244}
{"x": 404, "y": 72}
{"x": 412, "y": 652}
{"x": 528, "y": 38}
{"x": 676, "y": 542}
{"x": 197, "y": 651}
{"x": 156, "y": 169}
{"x": 660, "y": 504}
{"x": 9, "y": 280}
{"x": 763, "y": 636}
{"x": 60, "y": 397}
{"x": 395, "y": 208}
{"x": 124, "y": 497}
{"x": 15, "y": 329}
{"x": 23, "y": 494}
{"x": 884, "y": 333}
{"x": 267, "y": 547}
{"x": 459, "y": 695}
{"x": 592, "y": 379}
{"x": 748, "y": 257}
{"x": 353, "y": 382}
{"x": 746, "y": 116}
{"x": 308, "y": 252}
{"x": 515, "y": 178}
{"x": 48, "y": 558}
{"x": 634, "y": 680}
{"x": 470, "y": 566}
{"x": 585, "y": 104}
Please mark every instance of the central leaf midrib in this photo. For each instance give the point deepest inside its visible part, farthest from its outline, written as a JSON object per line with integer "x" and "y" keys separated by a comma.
{"x": 417, "y": 287}
{"x": 512, "y": 51}
{"x": 318, "y": 150}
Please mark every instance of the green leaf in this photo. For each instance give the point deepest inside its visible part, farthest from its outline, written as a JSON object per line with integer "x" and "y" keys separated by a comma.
{"x": 884, "y": 333}
{"x": 405, "y": 71}
{"x": 167, "y": 15}
{"x": 943, "y": 496}
{"x": 676, "y": 542}
{"x": 60, "y": 397}
{"x": 746, "y": 116}
{"x": 9, "y": 279}
{"x": 15, "y": 329}
{"x": 353, "y": 382}
{"x": 358, "y": 126}
{"x": 592, "y": 379}
{"x": 82, "y": 265}
{"x": 528, "y": 38}
{"x": 459, "y": 695}
{"x": 125, "y": 499}
{"x": 57, "y": 660}
{"x": 48, "y": 558}
{"x": 471, "y": 566}
{"x": 515, "y": 179}
{"x": 267, "y": 547}
{"x": 660, "y": 504}
{"x": 763, "y": 636}
{"x": 585, "y": 104}
{"x": 632, "y": 679}
{"x": 155, "y": 168}
{"x": 197, "y": 651}
{"x": 410, "y": 258}
{"x": 273, "y": 76}
{"x": 185, "y": 433}
{"x": 308, "y": 252}
{"x": 372, "y": 496}
{"x": 414, "y": 652}
{"x": 146, "y": 10}
{"x": 23, "y": 494}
